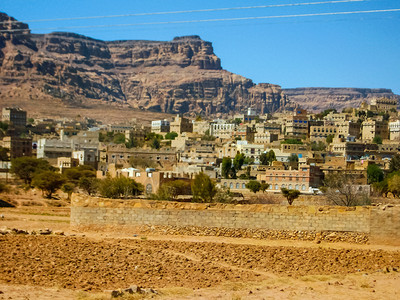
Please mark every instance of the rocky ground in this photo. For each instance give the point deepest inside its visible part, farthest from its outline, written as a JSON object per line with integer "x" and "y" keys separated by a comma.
{"x": 68, "y": 263}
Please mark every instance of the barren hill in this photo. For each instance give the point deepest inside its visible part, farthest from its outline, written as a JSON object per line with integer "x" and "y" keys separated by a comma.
{"x": 180, "y": 76}
{"x": 317, "y": 99}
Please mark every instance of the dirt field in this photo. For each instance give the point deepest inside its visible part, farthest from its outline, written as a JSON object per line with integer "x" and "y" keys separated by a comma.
{"x": 82, "y": 265}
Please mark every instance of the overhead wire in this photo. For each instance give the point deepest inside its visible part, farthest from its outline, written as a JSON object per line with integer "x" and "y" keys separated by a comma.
{"x": 215, "y": 20}
{"x": 188, "y": 11}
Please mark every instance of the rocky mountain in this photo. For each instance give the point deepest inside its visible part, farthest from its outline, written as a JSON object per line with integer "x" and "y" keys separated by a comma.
{"x": 317, "y": 99}
{"x": 180, "y": 76}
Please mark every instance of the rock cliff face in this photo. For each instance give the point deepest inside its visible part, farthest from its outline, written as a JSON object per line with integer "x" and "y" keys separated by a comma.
{"x": 317, "y": 99}
{"x": 180, "y": 76}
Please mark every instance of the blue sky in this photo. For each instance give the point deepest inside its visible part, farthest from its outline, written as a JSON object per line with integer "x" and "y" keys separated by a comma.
{"x": 351, "y": 50}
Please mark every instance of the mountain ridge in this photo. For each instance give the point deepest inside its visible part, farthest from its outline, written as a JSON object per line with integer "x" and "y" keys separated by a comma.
{"x": 179, "y": 76}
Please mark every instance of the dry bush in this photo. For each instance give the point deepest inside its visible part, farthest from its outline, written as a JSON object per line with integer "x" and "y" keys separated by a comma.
{"x": 265, "y": 198}
{"x": 31, "y": 203}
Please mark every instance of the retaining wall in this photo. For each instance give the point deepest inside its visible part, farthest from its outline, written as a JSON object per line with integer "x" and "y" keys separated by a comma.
{"x": 378, "y": 222}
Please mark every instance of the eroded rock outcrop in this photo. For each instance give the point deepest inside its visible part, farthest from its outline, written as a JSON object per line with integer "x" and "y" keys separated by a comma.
{"x": 180, "y": 76}
{"x": 317, "y": 99}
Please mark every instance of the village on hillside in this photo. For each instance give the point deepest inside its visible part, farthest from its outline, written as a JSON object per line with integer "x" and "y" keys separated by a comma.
{"x": 347, "y": 155}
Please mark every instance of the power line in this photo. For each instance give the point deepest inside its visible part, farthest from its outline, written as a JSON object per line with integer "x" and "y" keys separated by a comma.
{"x": 216, "y": 20}
{"x": 187, "y": 11}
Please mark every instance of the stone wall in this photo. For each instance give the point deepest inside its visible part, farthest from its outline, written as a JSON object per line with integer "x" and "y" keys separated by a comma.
{"x": 378, "y": 222}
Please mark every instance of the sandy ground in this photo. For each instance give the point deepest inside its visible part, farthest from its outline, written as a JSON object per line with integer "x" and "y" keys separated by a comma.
{"x": 83, "y": 264}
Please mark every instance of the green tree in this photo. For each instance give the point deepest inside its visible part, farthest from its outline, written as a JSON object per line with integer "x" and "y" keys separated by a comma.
{"x": 293, "y": 158}
{"x": 73, "y": 175}
{"x": 394, "y": 185}
{"x": 264, "y": 187}
{"x": 3, "y": 126}
{"x": 226, "y": 167}
{"x": 68, "y": 188}
{"x": 329, "y": 138}
{"x": 394, "y": 163}
{"x": 377, "y": 140}
{"x": 119, "y": 138}
{"x": 253, "y": 185}
{"x": 207, "y": 136}
{"x": 290, "y": 195}
{"x": 4, "y": 154}
{"x": 25, "y": 167}
{"x": 238, "y": 161}
{"x": 268, "y": 158}
{"x": 171, "y": 135}
{"x": 248, "y": 160}
{"x": 155, "y": 143}
{"x": 374, "y": 174}
{"x": 48, "y": 181}
{"x": 203, "y": 188}
{"x": 89, "y": 184}
{"x": 132, "y": 143}
{"x": 320, "y": 146}
{"x": 119, "y": 187}
{"x": 172, "y": 189}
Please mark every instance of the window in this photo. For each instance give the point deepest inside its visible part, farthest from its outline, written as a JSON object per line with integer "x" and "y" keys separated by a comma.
{"x": 303, "y": 187}
{"x": 243, "y": 185}
{"x": 276, "y": 187}
{"x": 149, "y": 188}
{"x": 149, "y": 174}
{"x": 290, "y": 186}
{"x": 231, "y": 185}
{"x": 237, "y": 185}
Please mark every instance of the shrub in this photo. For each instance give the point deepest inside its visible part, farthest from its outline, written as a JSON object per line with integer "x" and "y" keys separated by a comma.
{"x": 119, "y": 187}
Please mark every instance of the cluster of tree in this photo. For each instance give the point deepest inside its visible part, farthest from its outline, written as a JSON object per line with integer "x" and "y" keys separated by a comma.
{"x": 320, "y": 146}
{"x": 390, "y": 182}
{"x": 154, "y": 140}
{"x": 4, "y": 154}
{"x": 267, "y": 158}
{"x": 230, "y": 167}
{"x": 39, "y": 174}
{"x": 207, "y": 136}
{"x": 255, "y": 186}
{"x": 202, "y": 189}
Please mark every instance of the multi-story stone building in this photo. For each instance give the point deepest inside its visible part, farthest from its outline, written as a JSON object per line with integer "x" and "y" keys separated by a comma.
{"x": 14, "y": 116}
{"x": 320, "y": 133}
{"x": 181, "y": 124}
{"x": 373, "y": 128}
{"x": 348, "y": 128}
{"x": 18, "y": 146}
{"x": 160, "y": 126}
{"x": 296, "y": 125}
{"x": 302, "y": 179}
{"x": 385, "y": 104}
{"x": 222, "y": 130}
{"x": 394, "y": 130}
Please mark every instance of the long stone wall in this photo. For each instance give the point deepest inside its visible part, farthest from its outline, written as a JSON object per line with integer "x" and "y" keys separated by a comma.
{"x": 378, "y": 222}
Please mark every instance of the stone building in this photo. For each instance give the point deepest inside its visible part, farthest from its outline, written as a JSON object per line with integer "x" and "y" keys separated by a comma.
{"x": 373, "y": 128}
{"x": 181, "y": 124}
{"x": 18, "y": 146}
{"x": 277, "y": 176}
{"x": 14, "y": 116}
